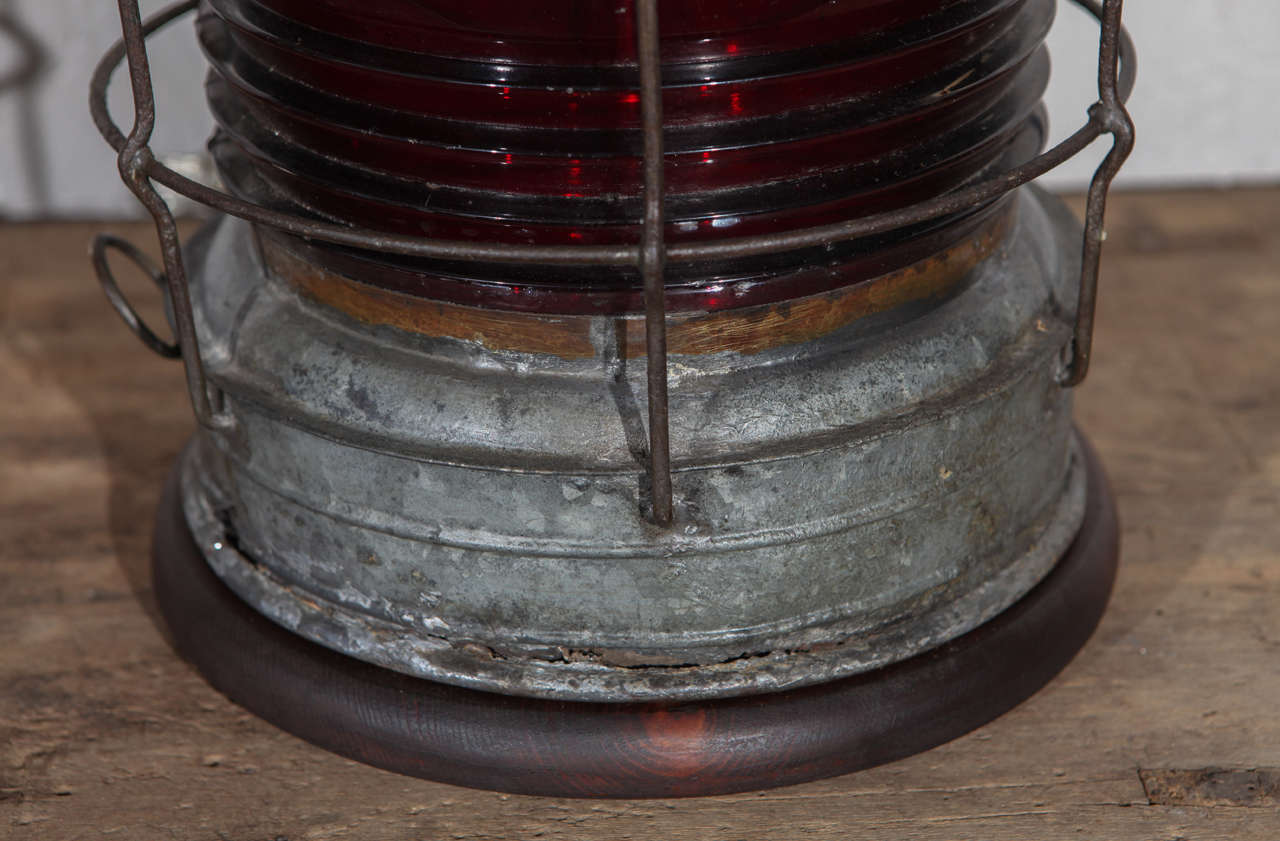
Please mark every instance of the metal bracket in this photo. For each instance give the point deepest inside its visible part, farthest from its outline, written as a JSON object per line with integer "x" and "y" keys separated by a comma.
{"x": 139, "y": 168}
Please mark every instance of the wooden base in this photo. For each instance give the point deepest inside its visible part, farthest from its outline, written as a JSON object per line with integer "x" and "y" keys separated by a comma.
{"x": 557, "y": 748}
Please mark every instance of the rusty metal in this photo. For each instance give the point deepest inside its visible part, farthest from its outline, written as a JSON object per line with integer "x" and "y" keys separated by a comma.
{"x": 1110, "y": 113}
{"x": 746, "y": 329}
{"x": 652, "y": 253}
{"x": 139, "y": 168}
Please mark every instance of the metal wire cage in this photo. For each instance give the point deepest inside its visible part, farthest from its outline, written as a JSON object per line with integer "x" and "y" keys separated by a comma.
{"x": 141, "y": 171}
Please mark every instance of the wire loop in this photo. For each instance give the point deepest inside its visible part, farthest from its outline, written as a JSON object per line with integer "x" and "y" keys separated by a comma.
{"x": 102, "y": 243}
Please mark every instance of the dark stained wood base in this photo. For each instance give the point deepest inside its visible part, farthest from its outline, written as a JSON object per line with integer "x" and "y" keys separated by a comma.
{"x": 557, "y": 748}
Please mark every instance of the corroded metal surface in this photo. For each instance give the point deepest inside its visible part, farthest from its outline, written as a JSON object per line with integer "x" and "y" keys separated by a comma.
{"x": 478, "y": 516}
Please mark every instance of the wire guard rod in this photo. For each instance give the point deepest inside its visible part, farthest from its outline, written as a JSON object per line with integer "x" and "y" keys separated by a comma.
{"x": 651, "y": 260}
{"x": 1110, "y": 114}
{"x": 134, "y": 161}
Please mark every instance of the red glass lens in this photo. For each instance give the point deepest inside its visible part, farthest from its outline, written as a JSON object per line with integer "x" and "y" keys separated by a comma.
{"x": 356, "y": 73}
{"x": 875, "y": 111}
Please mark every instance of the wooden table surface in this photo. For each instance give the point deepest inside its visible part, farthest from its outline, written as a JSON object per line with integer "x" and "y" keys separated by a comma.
{"x": 1166, "y": 726}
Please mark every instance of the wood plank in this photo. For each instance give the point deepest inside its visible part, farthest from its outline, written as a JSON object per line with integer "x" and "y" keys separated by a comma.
{"x": 105, "y": 733}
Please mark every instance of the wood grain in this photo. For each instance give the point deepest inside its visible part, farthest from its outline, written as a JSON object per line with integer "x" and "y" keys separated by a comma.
{"x": 105, "y": 733}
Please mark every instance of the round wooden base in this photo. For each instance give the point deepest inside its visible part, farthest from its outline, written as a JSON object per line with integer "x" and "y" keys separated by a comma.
{"x": 567, "y": 749}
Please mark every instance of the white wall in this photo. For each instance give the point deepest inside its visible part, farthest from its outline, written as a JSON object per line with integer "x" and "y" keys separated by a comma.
{"x": 52, "y": 161}
{"x": 1207, "y": 102}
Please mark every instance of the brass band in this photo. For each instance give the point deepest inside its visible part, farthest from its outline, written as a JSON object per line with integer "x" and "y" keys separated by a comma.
{"x": 743, "y": 330}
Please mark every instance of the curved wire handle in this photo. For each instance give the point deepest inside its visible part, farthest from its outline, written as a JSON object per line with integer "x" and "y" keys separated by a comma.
{"x": 139, "y": 167}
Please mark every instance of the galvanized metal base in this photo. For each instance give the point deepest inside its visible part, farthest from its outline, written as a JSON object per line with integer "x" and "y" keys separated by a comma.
{"x": 476, "y": 513}
{"x": 547, "y": 747}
